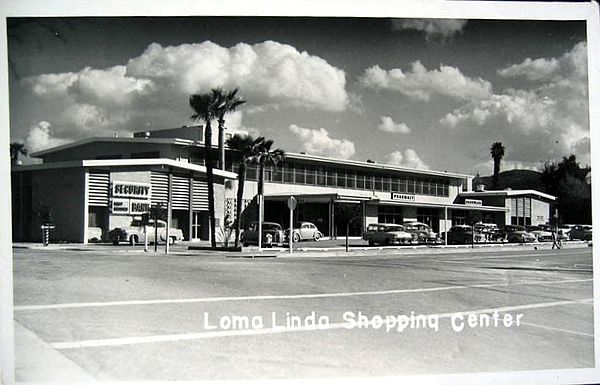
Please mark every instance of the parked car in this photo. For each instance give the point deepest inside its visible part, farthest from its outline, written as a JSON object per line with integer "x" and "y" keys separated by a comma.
{"x": 387, "y": 234}
{"x": 581, "y": 232}
{"x": 540, "y": 233}
{"x": 304, "y": 231}
{"x": 459, "y": 234}
{"x": 485, "y": 231}
{"x": 520, "y": 237}
{"x": 565, "y": 230}
{"x": 94, "y": 234}
{"x": 507, "y": 234}
{"x": 272, "y": 234}
{"x": 135, "y": 233}
{"x": 422, "y": 233}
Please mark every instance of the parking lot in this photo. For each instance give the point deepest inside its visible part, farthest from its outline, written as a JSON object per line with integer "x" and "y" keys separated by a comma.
{"x": 121, "y": 314}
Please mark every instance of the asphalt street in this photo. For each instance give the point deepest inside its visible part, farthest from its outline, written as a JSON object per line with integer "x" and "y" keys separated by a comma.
{"x": 191, "y": 315}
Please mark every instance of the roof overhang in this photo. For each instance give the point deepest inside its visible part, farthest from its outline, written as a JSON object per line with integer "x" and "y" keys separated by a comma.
{"x": 508, "y": 193}
{"x": 125, "y": 163}
{"x": 454, "y": 206}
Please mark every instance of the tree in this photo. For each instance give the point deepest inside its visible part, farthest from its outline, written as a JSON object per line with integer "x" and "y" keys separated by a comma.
{"x": 264, "y": 156}
{"x": 246, "y": 147}
{"x": 226, "y": 102}
{"x": 17, "y": 149}
{"x": 567, "y": 180}
{"x": 497, "y": 151}
{"x": 204, "y": 109}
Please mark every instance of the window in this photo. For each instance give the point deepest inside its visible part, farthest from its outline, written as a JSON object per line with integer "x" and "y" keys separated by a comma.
{"x": 390, "y": 214}
{"x": 360, "y": 180}
{"x": 331, "y": 177}
{"x": 310, "y": 175}
{"x": 322, "y": 176}
{"x": 368, "y": 182}
{"x": 341, "y": 178}
{"x": 145, "y": 155}
{"x": 350, "y": 179}
{"x": 288, "y": 173}
{"x": 377, "y": 183}
{"x": 277, "y": 175}
{"x": 299, "y": 174}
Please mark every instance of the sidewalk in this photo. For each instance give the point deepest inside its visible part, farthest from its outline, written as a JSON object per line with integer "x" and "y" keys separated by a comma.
{"x": 35, "y": 361}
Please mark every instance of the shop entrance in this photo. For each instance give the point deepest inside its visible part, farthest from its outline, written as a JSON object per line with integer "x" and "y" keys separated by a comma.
{"x": 343, "y": 212}
{"x": 314, "y": 212}
{"x": 180, "y": 220}
{"x": 429, "y": 216}
{"x": 200, "y": 226}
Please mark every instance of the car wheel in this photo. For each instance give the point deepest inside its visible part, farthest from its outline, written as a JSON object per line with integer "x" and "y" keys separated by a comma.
{"x": 371, "y": 243}
{"x": 115, "y": 241}
{"x": 317, "y": 236}
{"x": 296, "y": 237}
{"x": 133, "y": 240}
{"x": 386, "y": 242}
{"x": 172, "y": 240}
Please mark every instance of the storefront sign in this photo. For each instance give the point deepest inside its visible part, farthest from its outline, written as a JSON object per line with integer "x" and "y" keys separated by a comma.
{"x": 403, "y": 197}
{"x": 473, "y": 202}
{"x": 138, "y": 206}
{"x": 130, "y": 198}
{"x": 131, "y": 190}
{"x": 119, "y": 206}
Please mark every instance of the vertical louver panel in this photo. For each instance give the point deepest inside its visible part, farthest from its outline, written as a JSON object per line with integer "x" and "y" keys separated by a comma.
{"x": 513, "y": 206}
{"x": 98, "y": 188}
{"x": 160, "y": 187}
{"x": 200, "y": 197}
{"x": 527, "y": 207}
{"x": 181, "y": 192}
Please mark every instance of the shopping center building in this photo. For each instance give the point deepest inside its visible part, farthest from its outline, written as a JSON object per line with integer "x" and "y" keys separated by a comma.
{"x": 106, "y": 182}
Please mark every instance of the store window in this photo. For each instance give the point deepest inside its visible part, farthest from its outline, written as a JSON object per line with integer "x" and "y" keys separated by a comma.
{"x": 390, "y": 214}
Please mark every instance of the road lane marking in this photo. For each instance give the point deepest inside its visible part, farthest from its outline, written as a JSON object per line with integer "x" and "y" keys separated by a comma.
{"x": 253, "y": 332}
{"x": 290, "y": 296}
{"x": 557, "y": 329}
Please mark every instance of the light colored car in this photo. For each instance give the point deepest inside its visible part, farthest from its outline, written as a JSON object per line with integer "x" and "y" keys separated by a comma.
{"x": 272, "y": 234}
{"x": 422, "y": 233}
{"x": 94, "y": 234}
{"x": 305, "y": 231}
{"x": 387, "y": 234}
{"x": 540, "y": 234}
{"x": 581, "y": 232}
{"x": 135, "y": 233}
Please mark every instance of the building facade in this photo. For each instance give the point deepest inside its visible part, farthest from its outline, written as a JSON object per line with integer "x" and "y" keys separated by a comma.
{"x": 106, "y": 182}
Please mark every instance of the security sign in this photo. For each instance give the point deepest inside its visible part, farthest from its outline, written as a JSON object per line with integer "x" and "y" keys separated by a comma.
{"x": 130, "y": 198}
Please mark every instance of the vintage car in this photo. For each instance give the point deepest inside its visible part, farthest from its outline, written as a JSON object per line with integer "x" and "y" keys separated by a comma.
{"x": 520, "y": 236}
{"x": 421, "y": 232}
{"x": 387, "y": 234}
{"x": 581, "y": 232}
{"x": 505, "y": 234}
{"x": 540, "y": 234}
{"x": 272, "y": 234}
{"x": 459, "y": 234}
{"x": 135, "y": 233}
{"x": 304, "y": 231}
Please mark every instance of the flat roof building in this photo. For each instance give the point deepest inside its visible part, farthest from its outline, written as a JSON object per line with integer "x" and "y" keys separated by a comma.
{"x": 83, "y": 175}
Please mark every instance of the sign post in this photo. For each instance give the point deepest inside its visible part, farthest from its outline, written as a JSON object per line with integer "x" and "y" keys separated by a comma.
{"x": 291, "y": 202}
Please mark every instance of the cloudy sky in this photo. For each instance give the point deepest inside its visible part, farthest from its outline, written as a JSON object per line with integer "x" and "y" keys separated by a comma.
{"x": 414, "y": 92}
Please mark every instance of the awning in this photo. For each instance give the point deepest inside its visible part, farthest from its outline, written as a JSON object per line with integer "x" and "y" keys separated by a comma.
{"x": 453, "y": 206}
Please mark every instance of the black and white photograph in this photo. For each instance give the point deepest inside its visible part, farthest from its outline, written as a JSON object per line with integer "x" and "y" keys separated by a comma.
{"x": 299, "y": 195}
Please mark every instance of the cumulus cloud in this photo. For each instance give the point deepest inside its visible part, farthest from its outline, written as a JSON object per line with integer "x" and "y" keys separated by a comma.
{"x": 40, "y": 137}
{"x": 410, "y": 158}
{"x": 571, "y": 65}
{"x": 421, "y": 84}
{"x": 433, "y": 28}
{"x": 152, "y": 89}
{"x": 547, "y": 121}
{"x": 267, "y": 72}
{"x": 318, "y": 142}
{"x": 388, "y": 125}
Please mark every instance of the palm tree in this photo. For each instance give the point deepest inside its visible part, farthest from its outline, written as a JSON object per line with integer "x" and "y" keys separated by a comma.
{"x": 226, "y": 102}
{"x": 497, "y": 151}
{"x": 246, "y": 146}
{"x": 204, "y": 109}
{"x": 264, "y": 156}
{"x": 16, "y": 149}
